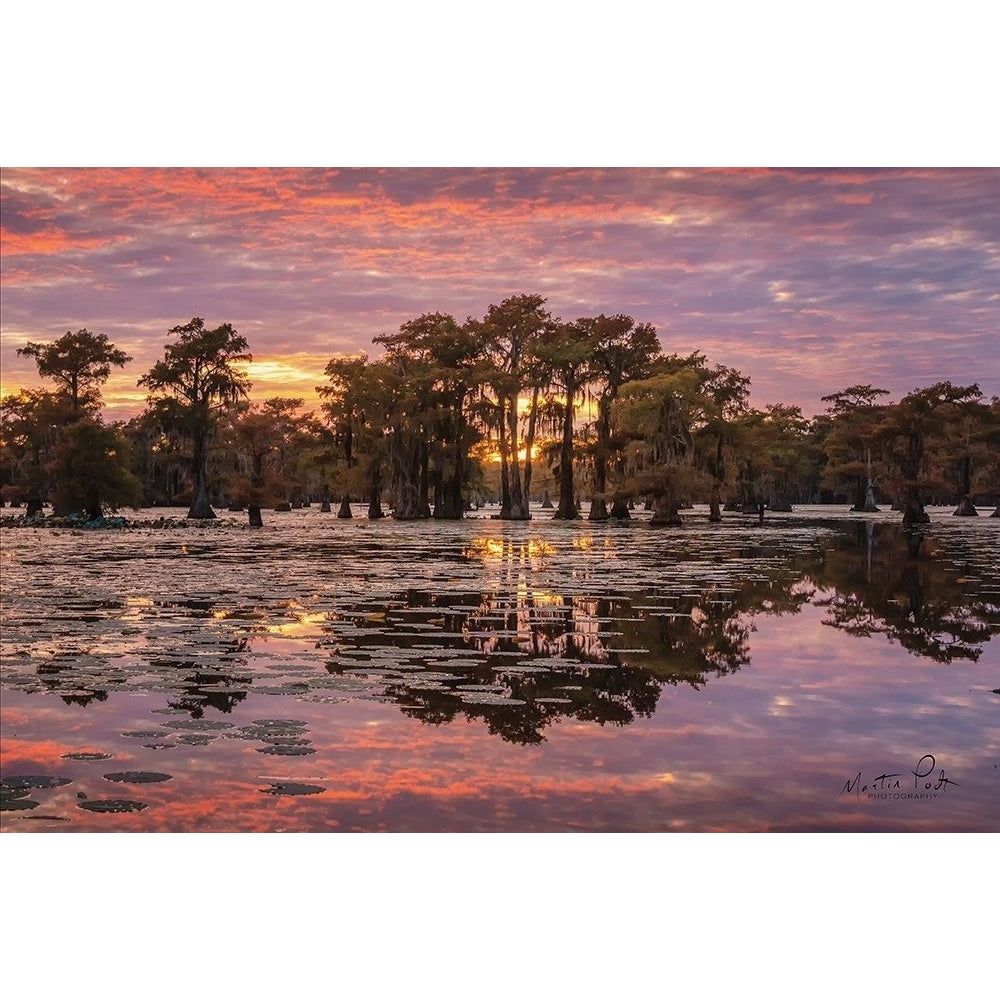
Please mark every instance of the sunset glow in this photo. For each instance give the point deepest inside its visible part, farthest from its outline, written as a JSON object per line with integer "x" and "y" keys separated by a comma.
{"x": 806, "y": 280}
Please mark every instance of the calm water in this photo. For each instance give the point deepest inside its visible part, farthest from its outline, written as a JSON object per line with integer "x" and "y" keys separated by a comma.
{"x": 825, "y": 672}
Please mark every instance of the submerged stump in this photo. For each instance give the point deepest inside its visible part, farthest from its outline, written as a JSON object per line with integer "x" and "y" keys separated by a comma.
{"x": 966, "y": 508}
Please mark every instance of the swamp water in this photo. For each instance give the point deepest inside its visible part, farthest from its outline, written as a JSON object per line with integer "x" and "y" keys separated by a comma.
{"x": 823, "y": 672}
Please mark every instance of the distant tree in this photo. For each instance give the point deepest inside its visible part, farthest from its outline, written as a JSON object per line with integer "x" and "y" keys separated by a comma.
{"x": 855, "y": 414}
{"x": 196, "y": 379}
{"x": 509, "y": 333}
{"x": 566, "y": 352}
{"x": 262, "y": 437}
{"x": 79, "y": 363}
{"x": 968, "y": 453}
{"x": 912, "y": 431}
{"x": 355, "y": 407}
{"x": 31, "y": 423}
{"x": 661, "y": 415}
{"x": 774, "y": 456}
{"x": 623, "y": 351}
{"x": 442, "y": 360}
{"x": 726, "y": 392}
{"x": 90, "y": 470}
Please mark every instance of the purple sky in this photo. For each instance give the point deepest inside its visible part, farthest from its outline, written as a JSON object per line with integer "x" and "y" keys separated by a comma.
{"x": 806, "y": 280}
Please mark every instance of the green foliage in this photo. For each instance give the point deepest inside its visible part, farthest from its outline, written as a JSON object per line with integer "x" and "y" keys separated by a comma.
{"x": 90, "y": 470}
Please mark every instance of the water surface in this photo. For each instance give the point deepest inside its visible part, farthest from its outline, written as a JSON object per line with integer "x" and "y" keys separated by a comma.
{"x": 824, "y": 672}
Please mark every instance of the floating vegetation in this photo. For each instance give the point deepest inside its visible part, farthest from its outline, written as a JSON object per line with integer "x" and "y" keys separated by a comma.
{"x": 13, "y": 805}
{"x": 112, "y": 805}
{"x": 159, "y": 746}
{"x": 34, "y": 781}
{"x": 197, "y": 724}
{"x": 292, "y": 788}
{"x": 286, "y": 751}
{"x": 485, "y": 698}
{"x": 138, "y": 777}
{"x": 142, "y": 734}
{"x": 87, "y": 755}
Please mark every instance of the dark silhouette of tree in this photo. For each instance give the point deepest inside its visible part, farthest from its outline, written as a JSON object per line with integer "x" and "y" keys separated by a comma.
{"x": 30, "y": 425}
{"x": 660, "y": 415}
{"x": 440, "y": 361}
{"x": 911, "y": 431}
{"x": 196, "y": 379}
{"x": 727, "y": 391}
{"x": 90, "y": 470}
{"x": 566, "y": 354}
{"x": 509, "y": 333}
{"x": 79, "y": 363}
{"x": 623, "y": 351}
{"x": 855, "y": 416}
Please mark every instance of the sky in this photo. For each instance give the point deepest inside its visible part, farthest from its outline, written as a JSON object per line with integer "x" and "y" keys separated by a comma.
{"x": 807, "y": 280}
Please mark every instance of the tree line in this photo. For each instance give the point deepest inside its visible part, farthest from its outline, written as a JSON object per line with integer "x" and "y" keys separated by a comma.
{"x": 496, "y": 407}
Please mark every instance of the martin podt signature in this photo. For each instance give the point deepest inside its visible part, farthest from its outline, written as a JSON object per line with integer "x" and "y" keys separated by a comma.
{"x": 918, "y": 783}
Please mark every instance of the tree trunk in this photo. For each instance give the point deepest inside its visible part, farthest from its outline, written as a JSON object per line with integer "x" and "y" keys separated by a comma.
{"x": 599, "y": 509}
{"x": 253, "y": 515}
{"x": 666, "y": 509}
{"x": 200, "y": 508}
{"x": 34, "y": 506}
{"x": 714, "y": 504}
{"x": 567, "y": 510}
{"x": 913, "y": 509}
{"x": 345, "y": 507}
{"x": 620, "y": 509}
{"x": 966, "y": 508}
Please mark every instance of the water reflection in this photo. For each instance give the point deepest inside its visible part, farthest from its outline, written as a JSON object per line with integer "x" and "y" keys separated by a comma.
{"x": 482, "y": 639}
{"x": 884, "y": 580}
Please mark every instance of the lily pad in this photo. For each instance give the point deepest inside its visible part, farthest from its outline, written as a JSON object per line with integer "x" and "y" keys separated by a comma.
{"x": 138, "y": 777}
{"x": 143, "y": 734}
{"x": 12, "y": 793}
{"x": 281, "y": 723}
{"x": 286, "y": 751}
{"x": 292, "y": 788}
{"x": 35, "y": 781}
{"x": 112, "y": 805}
{"x": 10, "y": 805}
{"x": 86, "y": 755}
{"x": 197, "y": 724}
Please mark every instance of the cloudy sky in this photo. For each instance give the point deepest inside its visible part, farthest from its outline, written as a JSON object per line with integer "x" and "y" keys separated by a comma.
{"x": 806, "y": 280}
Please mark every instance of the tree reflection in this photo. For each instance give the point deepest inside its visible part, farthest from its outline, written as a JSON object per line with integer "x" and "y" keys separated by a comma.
{"x": 547, "y": 657}
{"x": 887, "y": 580}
